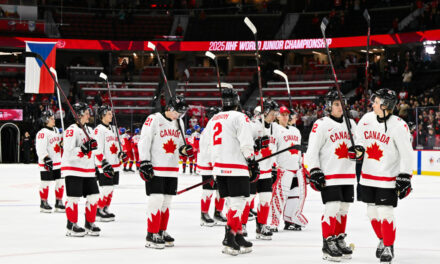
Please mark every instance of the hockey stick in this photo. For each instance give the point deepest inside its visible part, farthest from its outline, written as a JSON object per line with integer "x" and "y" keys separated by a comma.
{"x": 185, "y": 88}
{"x": 367, "y": 61}
{"x": 297, "y": 147}
{"x": 347, "y": 121}
{"x": 54, "y": 72}
{"x": 104, "y": 77}
{"x": 153, "y": 47}
{"x": 282, "y": 74}
{"x": 252, "y": 27}
{"x": 195, "y": 186}
{"x": 214, "y": 58}
{"x": 38, "y": 56}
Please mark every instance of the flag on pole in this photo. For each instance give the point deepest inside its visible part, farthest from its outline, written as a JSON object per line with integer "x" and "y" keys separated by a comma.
{"x": 37, "y": 77}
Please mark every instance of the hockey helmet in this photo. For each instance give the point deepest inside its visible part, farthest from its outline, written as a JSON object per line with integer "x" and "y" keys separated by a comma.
{"x": 201, "y": 129}
{"x": 122, "y": 130}
{"x": 388, "y": 98}
{"x": 270, "y": 105}
{"x": 60, "y": 130}
{"x": 177, "y": 103}
{"x": 211, "y": 111}
{"x": 189, "y": 132}
{"x": 332, "y": 96}
{"x": 80, "y": 108}
{"x": 102, "y": 110}
{"x": 284, "y": 110}
{"x": 45, "y": 116}
{"x": 136, "y": 130}
{"x": 230, "y": 98}
{"x": 196, "y": 127}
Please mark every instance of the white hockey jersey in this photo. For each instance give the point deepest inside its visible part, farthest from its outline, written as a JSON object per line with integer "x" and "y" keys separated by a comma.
{"x": 136, "y": 139}
{"x": 328, "y": 150}
{"x": 286, "y": 137}
{"x": 386, "y": 153}
{"x": 74, "y": 162}
{"x": 232, "y": 143}
{"x": 108, "y": 147}
{"x": 265, "y": 165}
{"x": 159, "y": 143}
{"x": 47, "y": 143}
{"x": 204, "y": 159}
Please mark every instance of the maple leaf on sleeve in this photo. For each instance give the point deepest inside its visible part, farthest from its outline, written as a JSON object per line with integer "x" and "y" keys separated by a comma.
{"x": 374, "y": 152}
{"x": 56, "y": 148}
{"x": 169, "y": 147}
{"x": 342, "y": 151}
{"x": 265, "y": 152}
{"x": 293, "y": 151}
{"x": 113, "y": 149}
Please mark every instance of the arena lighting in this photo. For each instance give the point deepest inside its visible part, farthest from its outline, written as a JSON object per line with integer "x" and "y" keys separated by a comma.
{"x": 279, "y": 54}
{"x": 430, "y": 46}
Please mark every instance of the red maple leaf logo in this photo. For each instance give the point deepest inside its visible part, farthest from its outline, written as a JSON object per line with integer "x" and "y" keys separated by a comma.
{"x": 374, "y": 152}
{"x": 342, "y": 151}
{"x": 57, "y": 148}
{"x": 113, "y": 149}
{"x": 81, "y": 155}
{"x": 266, "y": 152}
{"x": 293, "y": 151}
{"x": 169, "y": 147}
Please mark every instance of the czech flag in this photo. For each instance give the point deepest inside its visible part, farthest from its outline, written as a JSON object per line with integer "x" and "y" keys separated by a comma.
{"x": 37, "y": 78}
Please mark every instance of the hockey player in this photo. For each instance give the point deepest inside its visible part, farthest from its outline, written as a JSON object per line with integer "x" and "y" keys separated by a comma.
{"x": 204, "y": 168}
{"x": 159, "y": 148}
{"x": 329, "y": 159}
{"x": 78, "y": 168}
{"x": 387, "y": 167}
{"x": 134, "y": 146}
{"x": 47, "y": 145}
{"x": 234, "y": 165}
{"x": 264, "y": 146}
{"x": 128, "y": 150}
{"x": 184, "y": 158}
{"x": 290, "y": 188}
{"x": 195, "y": 144}
{"x": 107, "y": 159}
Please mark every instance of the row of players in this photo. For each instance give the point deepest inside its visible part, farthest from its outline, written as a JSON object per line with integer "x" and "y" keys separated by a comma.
{"x": 230, "y": 146}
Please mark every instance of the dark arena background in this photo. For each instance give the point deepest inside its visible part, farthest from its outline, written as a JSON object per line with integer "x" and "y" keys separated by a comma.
{"x": 114, "y": 37}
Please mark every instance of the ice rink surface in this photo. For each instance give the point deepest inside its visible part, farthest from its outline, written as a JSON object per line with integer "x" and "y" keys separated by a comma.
{"x": 28, "y": 236}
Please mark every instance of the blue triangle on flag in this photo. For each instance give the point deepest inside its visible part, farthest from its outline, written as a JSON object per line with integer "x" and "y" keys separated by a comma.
{"x": 43, "y": 49}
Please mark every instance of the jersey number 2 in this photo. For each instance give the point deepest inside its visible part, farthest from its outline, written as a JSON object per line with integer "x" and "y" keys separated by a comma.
{"x": 218, "y": 130}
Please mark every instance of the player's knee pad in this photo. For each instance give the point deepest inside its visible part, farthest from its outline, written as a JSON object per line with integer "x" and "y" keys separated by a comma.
{"x": 264, "y": 197}
{"x": 343, "y": 210}
{"x": 385, "y": 212}
{"x": 372, "y": 212}
{"x": 332, "y": 208}
{"x": 207, "y": 193}
{"x": 93, "y": 198}
{"x": 72, "y": 200}
{"x": 106, "y": 190}
{"x": 237, "y": 204}
{"x": 166, "y": 201}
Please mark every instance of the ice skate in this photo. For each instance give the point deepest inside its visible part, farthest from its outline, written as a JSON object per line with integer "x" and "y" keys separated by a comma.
{"x": 91, "y": 229}
{"x": 169, "y": 240}
{"x": 101, "y": 216}
{"x": 230, "y": 246}
{"x": 245, "y": 246}
{"x": 45, "y": 207}
{"x": 155, "y": 241}
{"x": 387, "y": 255}
{"x": 330, "y": 250}
{"x": 111, "y": 215}
{"x": 59, "y": 207}
{"x": 379, "y": 249}
{"x": 206, "y": 220}
{"x": 73, "y": 230}
{"x": 292, "y": 227}
{"x": 263, "y": 232}
{"x": 219, "y": 218}
{"x": 245, "y": 233}
{"x": 345, "y": 250}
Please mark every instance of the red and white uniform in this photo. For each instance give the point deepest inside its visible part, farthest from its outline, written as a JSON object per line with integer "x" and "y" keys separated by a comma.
{"x": 159, "y": 143}
{"x": 328, "y": 150}
{"x": 47, "y": 144}
{"x": 284, "y": 199}
{"x": 229, "y": 156}
{"x": 386, "y": 153}
{"x": 127, "y": 147}
{"x": 265, "y": 165}
{"x": 195, "y": 144}
{"x": 108, "y": 147}
{"x": 135, "y": 147}
{"x": 74, "y": 162}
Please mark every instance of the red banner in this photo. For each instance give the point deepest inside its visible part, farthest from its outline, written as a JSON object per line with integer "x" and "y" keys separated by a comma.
{"x": 11, "y": 114}
{"x": 274, "y": 45}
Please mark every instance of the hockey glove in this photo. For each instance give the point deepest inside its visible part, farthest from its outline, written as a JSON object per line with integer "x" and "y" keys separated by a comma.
{"x": 107, "y": 169}
{"x": 186, "y": 150}
{"x": 403, "y": 185}
{"x": 146, "y": 170}
{"x": 254, "y": 169}
{"x": 123, "y": 156}
{"x": 89, "y": 146}
{"x": 261, "y": 143}
{"x": 356, "y": 152}
{"x": 48, "y": 164}
{"x": 317, "y": 179}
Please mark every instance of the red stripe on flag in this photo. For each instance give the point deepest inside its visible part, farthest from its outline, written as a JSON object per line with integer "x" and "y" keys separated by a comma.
{"x": 46, "y": 82}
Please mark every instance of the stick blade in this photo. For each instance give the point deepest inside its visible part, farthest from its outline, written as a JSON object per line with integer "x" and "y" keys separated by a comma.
{"x": 280, "y": 73}
{"x": 324, "y": 24}
{"x": 53, "y": 70}
{"x": 250, "y": 25}
{"x": 186, "y": 73}
{"x": 210, "y": 55}
{"x": 103, "y": 76}
{"x": 151, "y": 45}
{"x": 367, "y": 16}
{"x": 225, "y": 85}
